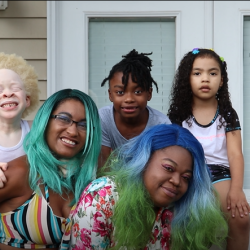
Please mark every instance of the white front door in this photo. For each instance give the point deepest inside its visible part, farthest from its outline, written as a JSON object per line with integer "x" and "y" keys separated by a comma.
{"x": 68, "y": 24}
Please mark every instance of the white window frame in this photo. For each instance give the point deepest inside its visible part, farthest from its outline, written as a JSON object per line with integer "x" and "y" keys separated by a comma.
{"x": 86, "y": 16}
{"x": 242, "y": 13}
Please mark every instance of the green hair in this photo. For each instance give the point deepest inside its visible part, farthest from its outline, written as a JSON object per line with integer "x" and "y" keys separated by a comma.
{"x": 134, "y": 214}
{"x": 81, "y": 168}
{"x": 197, "y": 221}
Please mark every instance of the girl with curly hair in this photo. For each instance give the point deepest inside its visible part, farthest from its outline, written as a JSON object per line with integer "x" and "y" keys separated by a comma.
{"x": 200, "y": 101}
{"x": 154, "y": 193}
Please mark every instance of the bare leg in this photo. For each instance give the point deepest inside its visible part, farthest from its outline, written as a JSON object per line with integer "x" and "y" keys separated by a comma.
{"x": 238, "y": 238}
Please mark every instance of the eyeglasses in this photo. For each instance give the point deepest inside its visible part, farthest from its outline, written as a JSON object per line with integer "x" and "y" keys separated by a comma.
{"x": 67, "y": 122}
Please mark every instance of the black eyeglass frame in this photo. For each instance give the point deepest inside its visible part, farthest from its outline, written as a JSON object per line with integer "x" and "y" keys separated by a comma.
{"x": 72, "y": 121}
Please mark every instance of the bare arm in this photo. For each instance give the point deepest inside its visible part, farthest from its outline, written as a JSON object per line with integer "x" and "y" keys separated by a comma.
{"x": 3, "y": 167}
{"x": 17, "y": 175}
{"x": 236, "y": 198}
{"x": 104, "y": 154}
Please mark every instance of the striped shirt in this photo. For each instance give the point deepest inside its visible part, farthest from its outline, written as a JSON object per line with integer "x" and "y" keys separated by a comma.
{"x": 33, "y": 225}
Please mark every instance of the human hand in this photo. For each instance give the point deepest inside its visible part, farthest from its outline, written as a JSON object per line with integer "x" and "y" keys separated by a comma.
{"x": 236, "y": 200}
{"x": 3, "y": 167}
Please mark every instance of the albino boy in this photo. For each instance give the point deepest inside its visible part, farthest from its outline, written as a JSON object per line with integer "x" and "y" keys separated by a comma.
{"x": 18, "y": 97}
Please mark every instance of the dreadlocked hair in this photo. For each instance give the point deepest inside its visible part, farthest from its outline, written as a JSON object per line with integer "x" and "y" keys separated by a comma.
{"x": 181, "y": 97}
{"x": 139, "y": 66}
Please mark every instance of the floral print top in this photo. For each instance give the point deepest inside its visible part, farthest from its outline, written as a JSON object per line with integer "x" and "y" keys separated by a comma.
{"x": 92, "y": 227}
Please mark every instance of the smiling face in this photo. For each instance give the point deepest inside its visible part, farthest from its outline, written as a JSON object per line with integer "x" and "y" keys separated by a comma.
{"x": 168, "y": 174}
{"x": 66, "y": 141}
{"x": 13, "y": 98}
{"x": 205, "y": 78}
{"x": 131, "y": 102}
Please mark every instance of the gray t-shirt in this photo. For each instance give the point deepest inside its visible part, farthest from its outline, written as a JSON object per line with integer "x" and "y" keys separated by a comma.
{"x": 111, "y": 136}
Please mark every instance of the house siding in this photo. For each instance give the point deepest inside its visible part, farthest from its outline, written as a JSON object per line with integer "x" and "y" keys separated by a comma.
{"x": 23, "y": 31}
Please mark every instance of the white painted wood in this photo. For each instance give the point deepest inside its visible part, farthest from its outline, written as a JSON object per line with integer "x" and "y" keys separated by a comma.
{"x": 228, "y": 42}
{"x": 68, "y": 33}
{"x": 52, "y": 43}
{"x": 208, "y": 24}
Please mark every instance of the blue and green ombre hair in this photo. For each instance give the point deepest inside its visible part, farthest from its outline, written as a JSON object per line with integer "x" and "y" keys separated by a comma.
{"x": 197, "y": 220}
{"x": 81, "y": 169}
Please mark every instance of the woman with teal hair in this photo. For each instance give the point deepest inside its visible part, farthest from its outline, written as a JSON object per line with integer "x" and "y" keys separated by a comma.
{"x": 155, "y": 193}
{"x": 62, "y": 150}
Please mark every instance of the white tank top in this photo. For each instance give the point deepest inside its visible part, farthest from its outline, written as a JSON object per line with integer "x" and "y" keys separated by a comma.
{"x": 9, "y": 154}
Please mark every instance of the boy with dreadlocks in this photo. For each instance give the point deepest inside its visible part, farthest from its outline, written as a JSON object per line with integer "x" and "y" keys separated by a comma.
{"x": 130, "y": 88}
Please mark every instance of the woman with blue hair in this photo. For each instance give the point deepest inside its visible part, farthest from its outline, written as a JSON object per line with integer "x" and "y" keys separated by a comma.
{"x": 62, "y": 149}
{"x": 154, "y": 192}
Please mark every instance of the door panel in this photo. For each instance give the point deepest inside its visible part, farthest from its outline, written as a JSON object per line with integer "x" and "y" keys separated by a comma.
{"x": 68, "y": 32}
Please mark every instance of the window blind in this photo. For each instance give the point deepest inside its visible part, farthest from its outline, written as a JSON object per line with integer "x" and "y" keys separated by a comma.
{"x": 246, "y": 100}
{"x": 110, "y": 38}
